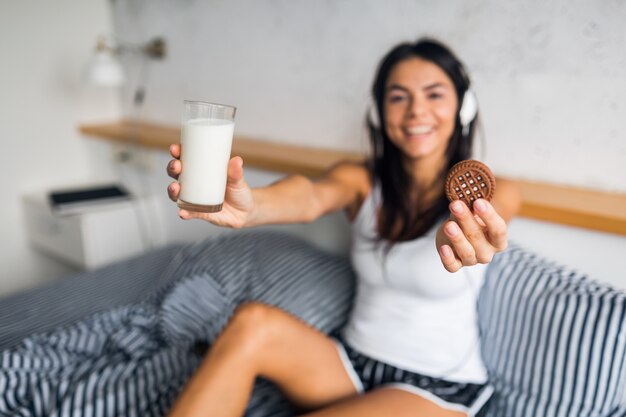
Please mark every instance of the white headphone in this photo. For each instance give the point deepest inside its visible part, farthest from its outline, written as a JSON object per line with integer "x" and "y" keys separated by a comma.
{"x": 467, "y": 112}
{"x": 372, "y": 114}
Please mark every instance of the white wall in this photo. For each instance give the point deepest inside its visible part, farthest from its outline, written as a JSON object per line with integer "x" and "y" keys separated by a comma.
{"x": 43, "y": 46}
{"x": 548, "y": 75}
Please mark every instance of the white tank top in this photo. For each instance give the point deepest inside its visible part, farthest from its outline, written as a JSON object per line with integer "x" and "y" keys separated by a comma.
{"x": 409, "y": 311}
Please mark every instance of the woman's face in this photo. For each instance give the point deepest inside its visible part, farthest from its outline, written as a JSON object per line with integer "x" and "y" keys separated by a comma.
{"x": 420, "y": 106}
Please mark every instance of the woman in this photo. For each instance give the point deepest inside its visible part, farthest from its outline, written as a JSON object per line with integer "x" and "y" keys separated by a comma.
{"x": 410, "y": 347}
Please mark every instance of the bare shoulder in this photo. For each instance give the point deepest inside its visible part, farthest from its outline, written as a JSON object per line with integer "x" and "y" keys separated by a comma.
{"x": 355, "y": 174}
{"x": 344, "y": 186}
{"x": 508, "y": 198}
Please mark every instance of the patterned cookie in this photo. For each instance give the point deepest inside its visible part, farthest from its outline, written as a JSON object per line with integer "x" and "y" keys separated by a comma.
{"x": 469, "y": 180}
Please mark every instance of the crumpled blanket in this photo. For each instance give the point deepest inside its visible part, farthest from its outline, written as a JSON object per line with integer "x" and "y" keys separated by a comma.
{"x": 134, "y": 360}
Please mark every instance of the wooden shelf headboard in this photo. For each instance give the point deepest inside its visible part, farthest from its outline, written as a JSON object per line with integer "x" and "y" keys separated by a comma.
{"x": 572, "y": 206}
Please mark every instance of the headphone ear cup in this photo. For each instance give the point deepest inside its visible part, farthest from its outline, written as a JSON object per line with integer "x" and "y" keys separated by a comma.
{"x": 372, "y": 114}
{"x": 469, "y": 109}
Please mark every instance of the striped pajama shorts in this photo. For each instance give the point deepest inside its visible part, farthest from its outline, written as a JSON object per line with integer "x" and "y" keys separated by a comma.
{"x": 367, "y": 373}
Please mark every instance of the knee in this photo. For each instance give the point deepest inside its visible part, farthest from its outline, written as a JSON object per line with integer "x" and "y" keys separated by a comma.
{"x": 252, "y": 315}
{"x": 250, "y": 326}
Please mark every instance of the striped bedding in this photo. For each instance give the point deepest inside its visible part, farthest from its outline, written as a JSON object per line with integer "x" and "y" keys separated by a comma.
{"x": 553, "y": 341}
{"x": 73, "y": 298}
{"x": 132, "y": 360}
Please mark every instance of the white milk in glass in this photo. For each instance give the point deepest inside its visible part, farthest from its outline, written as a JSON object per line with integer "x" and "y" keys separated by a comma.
{"x": 205, "y": 152}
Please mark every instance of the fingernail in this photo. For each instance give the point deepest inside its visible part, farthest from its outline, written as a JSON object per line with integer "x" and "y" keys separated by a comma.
{"x": 446, "y": 251}
{"x": 457, "y": 207}
{"x": 480, "y": 205}
{"x": 452, "y": 230}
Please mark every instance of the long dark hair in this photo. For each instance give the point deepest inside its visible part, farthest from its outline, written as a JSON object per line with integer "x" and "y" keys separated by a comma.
{"x": 401, "y": 218}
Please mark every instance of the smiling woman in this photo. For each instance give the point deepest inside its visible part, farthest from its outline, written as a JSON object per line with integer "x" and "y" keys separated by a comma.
{"x": 428, "y": 115}
{"x": 413, "y": 321}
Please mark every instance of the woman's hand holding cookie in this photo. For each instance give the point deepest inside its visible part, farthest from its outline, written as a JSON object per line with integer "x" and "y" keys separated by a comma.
{"x": 470, "y": 237}
{"x": 475, "y": 232}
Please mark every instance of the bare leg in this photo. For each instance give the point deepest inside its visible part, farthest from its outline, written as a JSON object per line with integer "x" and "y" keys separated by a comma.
{"x": 265, "y": 341}
{"x": 386, "y": 402}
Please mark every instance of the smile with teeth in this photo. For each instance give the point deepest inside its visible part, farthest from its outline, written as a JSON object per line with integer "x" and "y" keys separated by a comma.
{"x": 419, "y": 130}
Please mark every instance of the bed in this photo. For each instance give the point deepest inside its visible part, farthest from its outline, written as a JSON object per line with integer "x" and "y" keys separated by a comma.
{"x": 123, "y": 339}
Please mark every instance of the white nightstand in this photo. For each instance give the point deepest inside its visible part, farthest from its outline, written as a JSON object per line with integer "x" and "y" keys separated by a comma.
{"x": 92, "y": 237}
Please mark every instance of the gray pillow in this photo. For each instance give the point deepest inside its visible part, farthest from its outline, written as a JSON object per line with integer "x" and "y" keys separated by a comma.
{"x": 553, "y": 341}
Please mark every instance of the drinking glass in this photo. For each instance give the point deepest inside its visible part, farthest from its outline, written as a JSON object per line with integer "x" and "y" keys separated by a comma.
{"x": 206, "y": 140}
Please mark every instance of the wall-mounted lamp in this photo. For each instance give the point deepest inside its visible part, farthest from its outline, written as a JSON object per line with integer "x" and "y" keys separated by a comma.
{"x": 105, "y": 68}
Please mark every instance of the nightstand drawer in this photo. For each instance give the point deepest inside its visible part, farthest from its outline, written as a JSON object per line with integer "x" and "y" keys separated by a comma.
{"x": 88, "y": 239}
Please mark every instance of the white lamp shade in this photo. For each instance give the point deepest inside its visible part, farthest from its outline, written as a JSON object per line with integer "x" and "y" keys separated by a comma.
{"x": 105, "y": 70}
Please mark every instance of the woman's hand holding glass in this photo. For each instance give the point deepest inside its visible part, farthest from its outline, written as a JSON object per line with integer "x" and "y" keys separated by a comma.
{"x": 469, "y": 238}
{"x": 238, "y": 206}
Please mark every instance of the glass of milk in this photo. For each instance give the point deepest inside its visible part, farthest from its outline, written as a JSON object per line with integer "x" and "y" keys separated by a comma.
{"x": 206, "y": 139}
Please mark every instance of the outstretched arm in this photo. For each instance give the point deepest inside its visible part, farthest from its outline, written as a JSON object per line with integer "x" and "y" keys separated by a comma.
{"x": 294, "y": 199}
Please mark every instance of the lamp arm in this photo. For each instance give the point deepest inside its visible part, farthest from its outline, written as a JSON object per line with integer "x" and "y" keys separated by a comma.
{"x": 155, "y": 48}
